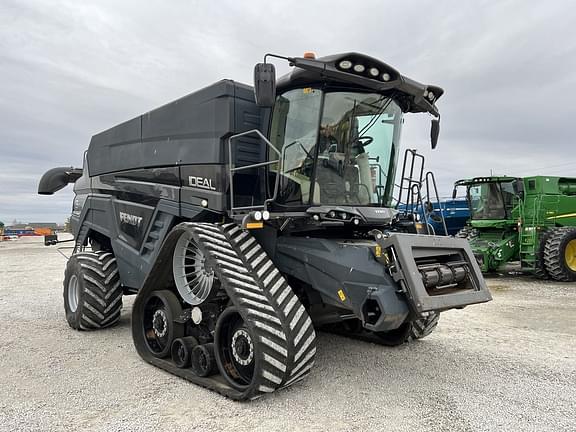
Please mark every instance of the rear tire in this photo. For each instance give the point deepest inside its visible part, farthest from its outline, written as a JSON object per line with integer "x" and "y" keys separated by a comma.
{"x": 560, "y": 254}
{"x": 410, "y": 331}
{"x": 92, "y": 291}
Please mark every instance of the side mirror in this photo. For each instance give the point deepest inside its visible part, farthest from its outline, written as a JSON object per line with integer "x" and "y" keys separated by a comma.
{"x": 454, "y": 193}
{"x": 434, "y": 132}
{"x": 265, "y": 84}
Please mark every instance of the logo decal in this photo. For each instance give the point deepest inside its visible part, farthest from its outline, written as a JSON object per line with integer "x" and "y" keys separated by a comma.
{"x": 130, "y": 219}
{"x": 201, "y": 182}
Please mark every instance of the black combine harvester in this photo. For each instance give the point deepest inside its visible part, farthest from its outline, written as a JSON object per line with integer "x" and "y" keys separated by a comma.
{"x": 245, "y": 218}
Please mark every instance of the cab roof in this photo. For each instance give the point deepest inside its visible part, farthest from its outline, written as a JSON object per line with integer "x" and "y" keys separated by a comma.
{"x": 359, "y": 71}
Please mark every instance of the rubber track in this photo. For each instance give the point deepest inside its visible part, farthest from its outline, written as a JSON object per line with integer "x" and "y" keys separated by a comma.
{"x": 281, "y": 325}
{"x": 554, "y": 258}
{"x": 423, "y": 327}
{"x": 418, "y": 329}
{"x": 102, "y": 290}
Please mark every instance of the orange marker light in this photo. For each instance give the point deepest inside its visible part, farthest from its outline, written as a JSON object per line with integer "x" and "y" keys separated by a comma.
{"x": 309, "y": 55}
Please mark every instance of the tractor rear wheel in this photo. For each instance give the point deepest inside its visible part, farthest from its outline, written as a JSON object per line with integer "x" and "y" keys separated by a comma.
{"x": 560, "y": 254}
{"x": 92, "y": 291}
{"x": 410, "y": 331}
{"x": 540, "y": 266}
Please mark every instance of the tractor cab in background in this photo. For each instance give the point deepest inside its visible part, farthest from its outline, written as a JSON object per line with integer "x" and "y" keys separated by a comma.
{"x": 492, "y": 200}
{"x": 493, "y": 225}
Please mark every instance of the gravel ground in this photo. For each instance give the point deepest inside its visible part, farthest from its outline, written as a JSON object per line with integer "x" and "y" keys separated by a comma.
{"x": 505, "y": 365}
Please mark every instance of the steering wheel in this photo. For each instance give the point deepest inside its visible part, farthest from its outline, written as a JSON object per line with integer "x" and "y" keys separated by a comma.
{"x": 364, "y": 140}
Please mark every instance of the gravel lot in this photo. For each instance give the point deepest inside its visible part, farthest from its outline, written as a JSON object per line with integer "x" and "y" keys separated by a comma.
{"x": 506, "y": 365}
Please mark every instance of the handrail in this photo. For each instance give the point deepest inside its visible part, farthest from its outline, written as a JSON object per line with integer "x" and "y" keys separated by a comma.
{"x": 417, "y": 191}
{"x": 410, "y": 178}
{"x": 433, "y": 182}
{"x": 232, "y": 169}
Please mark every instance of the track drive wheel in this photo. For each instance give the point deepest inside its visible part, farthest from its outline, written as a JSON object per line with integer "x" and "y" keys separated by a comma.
{"x": 92, "y": 291}
{"x": 560, "y": 254}
{"x": 410, "y": 331}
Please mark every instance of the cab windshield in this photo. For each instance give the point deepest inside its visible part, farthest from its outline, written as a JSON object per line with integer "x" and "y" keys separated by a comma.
{"x": 491, "y": 200}
{"x": 337, "y": 148}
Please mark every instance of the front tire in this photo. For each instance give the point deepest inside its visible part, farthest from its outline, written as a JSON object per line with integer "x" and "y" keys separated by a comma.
{"x": 560, "y": 254}
{"x": 92, "y": 291}
{"x": 540, "y": 265}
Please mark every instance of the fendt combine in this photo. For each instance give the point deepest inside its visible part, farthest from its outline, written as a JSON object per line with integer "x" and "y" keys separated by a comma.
{"x": 530, "y": 219}
{"x": 245, "y": 218}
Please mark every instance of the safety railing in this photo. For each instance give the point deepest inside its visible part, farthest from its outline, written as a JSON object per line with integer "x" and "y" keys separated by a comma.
{"x": 412, "y": 183}
{"x": 232, "y": 168}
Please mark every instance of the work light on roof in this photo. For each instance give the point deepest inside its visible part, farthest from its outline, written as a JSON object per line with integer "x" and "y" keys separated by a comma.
{"x": 345, "y": 64}
{"x": 359, "y": 68}
{"x": 386, "y": 77}
{"x": 374, "y": 72}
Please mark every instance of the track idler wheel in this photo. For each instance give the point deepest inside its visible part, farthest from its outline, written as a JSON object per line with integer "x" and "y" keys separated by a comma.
{"x": 182, "y": 349}
{"x": 203, "y": 360}
{"x": 160, "y": 310}
{"x": 236, "y": 350}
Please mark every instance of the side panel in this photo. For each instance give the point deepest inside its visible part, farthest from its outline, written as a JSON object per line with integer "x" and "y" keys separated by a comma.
{"x": 135, "y": 241}
{"x": 345, "y": 274}
{"x": 190, "y": 130}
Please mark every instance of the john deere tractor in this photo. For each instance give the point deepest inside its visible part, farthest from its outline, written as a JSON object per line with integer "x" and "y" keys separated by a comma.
{"x": 531, "y": 220}
{"x": 244, "y": 219}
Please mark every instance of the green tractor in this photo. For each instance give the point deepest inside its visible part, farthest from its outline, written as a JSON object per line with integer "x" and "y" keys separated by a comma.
{"x": 531, "y": 220}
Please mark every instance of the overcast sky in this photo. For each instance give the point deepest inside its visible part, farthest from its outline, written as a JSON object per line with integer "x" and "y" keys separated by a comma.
{"x": 69, "y": 70}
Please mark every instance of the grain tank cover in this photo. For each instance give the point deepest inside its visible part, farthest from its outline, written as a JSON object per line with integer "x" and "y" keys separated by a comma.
{"x": 190, "y": 130}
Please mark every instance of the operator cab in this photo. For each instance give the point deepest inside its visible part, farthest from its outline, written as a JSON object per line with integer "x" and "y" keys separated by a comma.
{"x": 335, "y": 133}
{"x": 338, "y": 148}
{"x": 491, "y": 198}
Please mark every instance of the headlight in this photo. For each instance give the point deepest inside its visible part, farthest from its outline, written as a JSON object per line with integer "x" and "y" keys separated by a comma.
{"x": 265, "y": 215}
{"x": 258, "y": 215}
{"x": 345, "y": 64}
